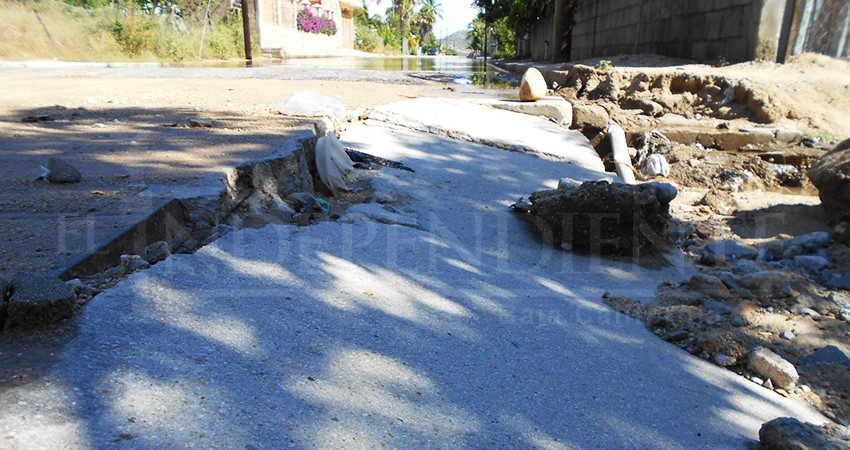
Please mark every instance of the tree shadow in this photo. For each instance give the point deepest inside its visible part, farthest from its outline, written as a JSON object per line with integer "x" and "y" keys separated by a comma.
{"x": 132, "y": 161}
{"x": 466, "y": 333}
{"x": 777, "y": 220}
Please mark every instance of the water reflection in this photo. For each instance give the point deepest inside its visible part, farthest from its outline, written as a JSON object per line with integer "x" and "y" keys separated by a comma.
{"x": 462, "y": 70}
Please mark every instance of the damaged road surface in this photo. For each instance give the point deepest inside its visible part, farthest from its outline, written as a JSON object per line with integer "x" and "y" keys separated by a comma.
{"x": 450, "y": 326}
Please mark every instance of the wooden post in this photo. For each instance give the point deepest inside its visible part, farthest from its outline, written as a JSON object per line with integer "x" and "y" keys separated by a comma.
{"x": 246, "y": 27}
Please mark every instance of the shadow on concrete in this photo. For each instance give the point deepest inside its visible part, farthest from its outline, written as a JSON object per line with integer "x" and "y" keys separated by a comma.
{"x": 468, "y": 333}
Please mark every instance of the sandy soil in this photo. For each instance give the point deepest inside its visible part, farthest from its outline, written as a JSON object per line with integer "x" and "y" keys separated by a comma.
{"x": 120, "y": 134}
{"x": 810, "y": 90}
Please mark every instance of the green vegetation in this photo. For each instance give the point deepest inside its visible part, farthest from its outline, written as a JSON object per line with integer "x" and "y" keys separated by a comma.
{"x": 500, "y": 34}
{"x": 508, "y": 19}
{"x": 406, "y": 20}
{"x": 97, "y": 30}
{"x": 604, "y": 64}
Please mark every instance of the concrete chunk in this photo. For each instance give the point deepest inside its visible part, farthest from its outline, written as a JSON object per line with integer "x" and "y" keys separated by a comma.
{"x": 38, "y": 299}
{"x": 772, "y": 366}
{"x": 549, "y": 107}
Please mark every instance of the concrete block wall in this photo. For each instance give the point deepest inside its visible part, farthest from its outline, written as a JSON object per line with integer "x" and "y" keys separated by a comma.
{"x": 737, "y": 30}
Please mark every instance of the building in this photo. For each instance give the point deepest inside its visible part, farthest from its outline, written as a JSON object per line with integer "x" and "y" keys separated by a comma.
{"x": 278, "y": 31}
{"x": 706, "y": 30}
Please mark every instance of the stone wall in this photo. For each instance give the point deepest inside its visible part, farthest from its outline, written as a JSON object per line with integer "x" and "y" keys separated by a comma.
{"x": 735, "y": 30}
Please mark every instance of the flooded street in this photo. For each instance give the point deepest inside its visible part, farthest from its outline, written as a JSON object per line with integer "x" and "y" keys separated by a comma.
{"x": 454, "y": 69}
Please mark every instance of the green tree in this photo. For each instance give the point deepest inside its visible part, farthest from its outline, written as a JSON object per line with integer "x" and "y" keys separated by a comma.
{"x": 427, "y": 16}
{"x": 430, "y": 42}
{"x": 518, "y": 15}
{"x": 476, "y": 34}
{"x": 505, "y": 38}
{"x": 403, "y": 10}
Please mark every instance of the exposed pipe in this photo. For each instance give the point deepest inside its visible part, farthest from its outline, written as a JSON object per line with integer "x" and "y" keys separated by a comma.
{"x": 620, "y": 150}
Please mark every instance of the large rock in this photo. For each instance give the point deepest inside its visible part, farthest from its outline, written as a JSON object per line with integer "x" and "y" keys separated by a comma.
{"x": 770, "y": 365}
{"x": 602, "y": 218}
{"x": 38, "y": 299}
{"x": 590, "y": 117}
{"x": 788, "y": 433}
{"x": 62, "y": 172}
{"x": 831, "y": 175}
{"x": 766, "y": 282}
{"x": 709, "y": 285}
{"x": 533, "y": 86}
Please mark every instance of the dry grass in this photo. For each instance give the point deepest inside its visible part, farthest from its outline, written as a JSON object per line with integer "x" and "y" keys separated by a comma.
{"x": 70, "y": 33}
{"x": 75, "y": 33}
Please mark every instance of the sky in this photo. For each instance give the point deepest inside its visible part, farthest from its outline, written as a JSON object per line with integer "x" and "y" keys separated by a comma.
{"x": 456, "y": 14}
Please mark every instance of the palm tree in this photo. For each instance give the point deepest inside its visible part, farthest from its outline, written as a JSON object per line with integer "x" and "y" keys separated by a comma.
{"x": 430, "y": 11}
{"x": 404, "y": 10}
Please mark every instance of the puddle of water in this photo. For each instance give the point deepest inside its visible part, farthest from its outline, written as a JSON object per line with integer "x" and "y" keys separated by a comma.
{"x": 465, "y": 71}
{"x": 448, "y": 64}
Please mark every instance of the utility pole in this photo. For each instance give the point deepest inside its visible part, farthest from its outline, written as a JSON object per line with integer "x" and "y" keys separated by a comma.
{"x": 486, "y": 48}
{"x": 246, "y": 30}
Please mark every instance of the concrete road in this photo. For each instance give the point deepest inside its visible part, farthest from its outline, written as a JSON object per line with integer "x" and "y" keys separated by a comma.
{"x": 462, "y": 330}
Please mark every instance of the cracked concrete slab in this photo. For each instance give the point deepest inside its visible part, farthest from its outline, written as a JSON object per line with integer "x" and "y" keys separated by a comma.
{"x": 471, "y": 121}
{"x": 467, "y": 332}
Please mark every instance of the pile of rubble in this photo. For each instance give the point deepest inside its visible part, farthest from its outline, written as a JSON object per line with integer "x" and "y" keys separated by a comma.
{"x": 777, "y": 313}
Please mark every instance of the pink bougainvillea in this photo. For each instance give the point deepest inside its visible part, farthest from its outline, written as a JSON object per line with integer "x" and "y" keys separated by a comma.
{"x": 310, "y": 23}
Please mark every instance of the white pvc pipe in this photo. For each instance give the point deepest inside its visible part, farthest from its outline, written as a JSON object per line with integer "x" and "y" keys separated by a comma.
{"x": 622, "y": 160}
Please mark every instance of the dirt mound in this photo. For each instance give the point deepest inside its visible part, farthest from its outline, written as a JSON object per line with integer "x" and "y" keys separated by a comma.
{"x": 810, "y": 90}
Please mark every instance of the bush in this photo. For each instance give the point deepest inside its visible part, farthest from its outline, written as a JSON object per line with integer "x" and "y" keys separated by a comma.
{"x": 220, "y": 46}
{"x": 136, "y": 35}
{"x": 170, "y": 48}
{"x": 366, "y": 40}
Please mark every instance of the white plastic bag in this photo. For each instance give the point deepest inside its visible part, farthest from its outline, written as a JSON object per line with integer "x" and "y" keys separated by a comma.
{"x": 312, "y": 104}
{"x": 656, "y": 165}
{"x": 332, "y": 162}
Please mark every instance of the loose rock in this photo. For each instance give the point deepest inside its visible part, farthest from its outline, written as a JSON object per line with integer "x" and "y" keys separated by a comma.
{"x": 788, "y": 433}
{"x": 788, "y": 335}
{"x": 156, "y": 252}
{"x": 811, "y": 263}
{"x": 533, "y": 86}
{"x": 675, "y": 335}
{"x": 724, "y": 360}
{"x": 732, "y": 250}
{"x": 709, "y": 285}
{"x": 133, "y": 263}
{"x": 62, "y": 172}
{"x": 38, "y": 299}
{"x": 831, "y": 175}
{"x": 809, "y": 242}
{"x": 765, "y": 282}
{"x": 830, "y": 354}
{"x": 772, "y": 366}
{"x": 720, "y": 203}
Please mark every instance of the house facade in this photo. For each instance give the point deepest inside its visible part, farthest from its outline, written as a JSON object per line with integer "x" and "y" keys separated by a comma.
{"x": 277, "y": 27}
